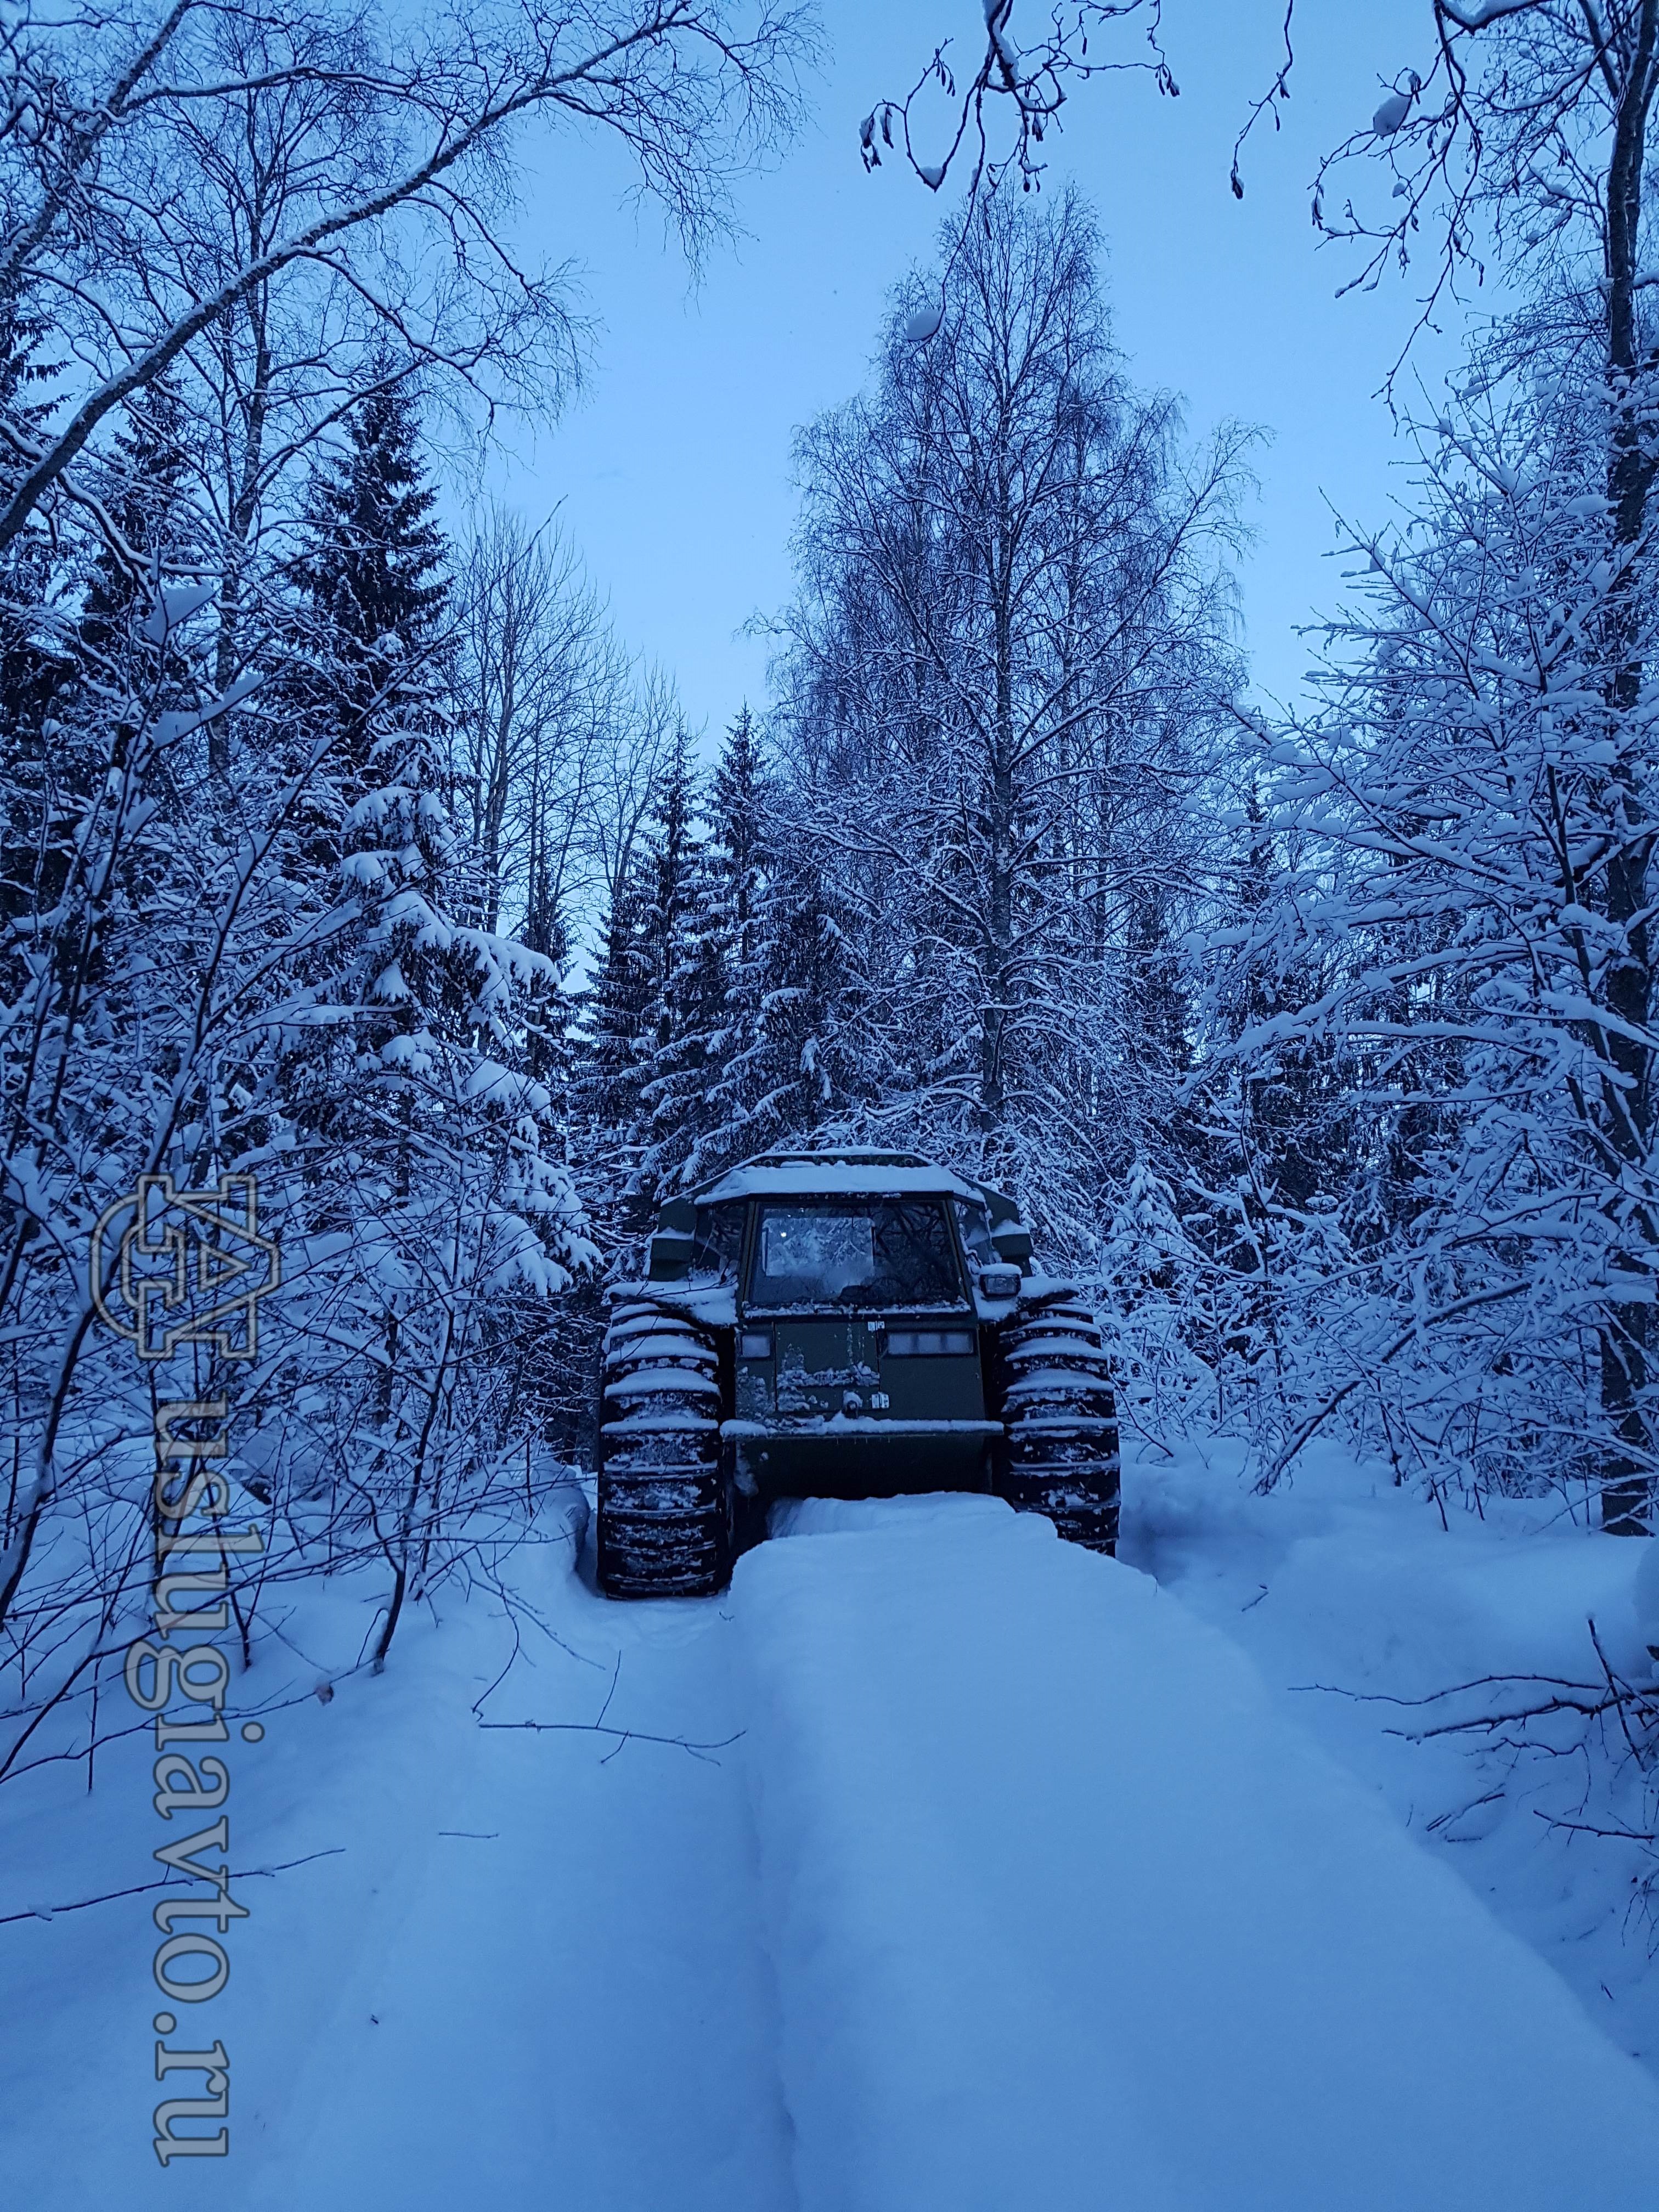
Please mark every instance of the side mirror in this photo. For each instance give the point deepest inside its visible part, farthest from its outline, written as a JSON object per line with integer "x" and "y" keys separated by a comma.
{"x": 668, "y": 1256}
{"x": 1012, "y": 1244}
{"x": 999, "y": 1282}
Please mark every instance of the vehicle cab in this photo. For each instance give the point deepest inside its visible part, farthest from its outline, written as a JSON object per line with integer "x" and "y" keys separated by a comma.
{"x": 861, "y": 1292}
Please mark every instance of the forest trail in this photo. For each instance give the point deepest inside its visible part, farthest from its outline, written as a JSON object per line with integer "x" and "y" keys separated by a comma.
{"x": 1015, "y": 1890}
{"x": 525, "y": 1970}
{"x": 936, "y": 1867}
{"x": 569, "y": 2002}
{"x": 1065, "y": 1912}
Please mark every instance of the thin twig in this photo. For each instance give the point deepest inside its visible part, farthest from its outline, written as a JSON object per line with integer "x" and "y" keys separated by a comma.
{"x": 245, "y": 1873}
{"x": 624, "y": 1736}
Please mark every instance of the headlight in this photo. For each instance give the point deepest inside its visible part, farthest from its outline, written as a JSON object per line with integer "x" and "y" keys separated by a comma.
{"x": 754, "y": 1344}
{"x": 999, "y": 1282}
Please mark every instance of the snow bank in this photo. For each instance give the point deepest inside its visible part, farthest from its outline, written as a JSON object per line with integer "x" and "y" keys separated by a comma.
{"x": 1344, "y": 1580}
{"x": 1064, "y": 1914}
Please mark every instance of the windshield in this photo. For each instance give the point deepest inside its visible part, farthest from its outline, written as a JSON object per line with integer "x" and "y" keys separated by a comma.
{"x": 855, "y": 1252}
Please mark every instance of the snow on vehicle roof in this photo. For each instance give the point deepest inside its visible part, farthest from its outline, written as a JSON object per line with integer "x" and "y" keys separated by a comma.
{"x": 837, "y": 1175}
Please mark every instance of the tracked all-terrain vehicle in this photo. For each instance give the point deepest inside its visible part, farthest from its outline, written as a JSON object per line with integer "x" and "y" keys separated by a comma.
{"x": 841, "y": 1324}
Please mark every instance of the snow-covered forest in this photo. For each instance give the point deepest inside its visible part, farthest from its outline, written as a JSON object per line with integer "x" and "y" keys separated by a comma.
{"x": 346, "y": 844}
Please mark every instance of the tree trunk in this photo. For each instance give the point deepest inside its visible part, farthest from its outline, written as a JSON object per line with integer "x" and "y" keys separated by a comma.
{"x": 1627, "y": 1484}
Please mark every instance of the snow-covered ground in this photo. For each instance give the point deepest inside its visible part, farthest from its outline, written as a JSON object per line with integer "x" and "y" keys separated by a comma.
{"x": 532, "y": 1974}
{"x": 972, "y": 1872}
{"x": 1065, "y": 1912}
{"x": 1350, "y": 1594}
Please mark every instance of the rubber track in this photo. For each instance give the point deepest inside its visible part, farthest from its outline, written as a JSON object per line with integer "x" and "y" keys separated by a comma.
{"x": 663, "y": 1526}
{"x": 1061, "y": 1415}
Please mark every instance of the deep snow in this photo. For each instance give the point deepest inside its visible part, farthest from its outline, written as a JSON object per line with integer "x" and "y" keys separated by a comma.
{"x": 1064, "y": 1913}
{"x": 885, "y": 1932}
{"x": 533, "y": 1976}
{"x": 1354, "y": 1602}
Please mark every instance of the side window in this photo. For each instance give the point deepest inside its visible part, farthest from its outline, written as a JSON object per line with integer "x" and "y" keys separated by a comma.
{"x": 973, "y": 1223}
{"x": 717, "y": 1243}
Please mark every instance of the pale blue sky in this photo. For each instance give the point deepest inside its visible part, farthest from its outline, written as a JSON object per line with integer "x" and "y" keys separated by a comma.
{"x": 673, "y": 469}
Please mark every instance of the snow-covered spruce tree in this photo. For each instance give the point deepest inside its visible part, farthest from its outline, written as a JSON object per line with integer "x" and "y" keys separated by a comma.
{"x": 682, "y": 951}
{"x": 431, "y": 1191}
{"x": 725, "y": 1001}
{"x": 369, "y": 575}
{"x": 1271, "y": 1148}
{"x": 549, "y": 1010}
{"x": 758, "y": 1003}
{"x": 611, "y": 1015}
{"x": 148, "y": 468}
{"x": 806, "y": 1079}
{"x": 1006, "y": 662}
{"x": 364, "y": 673}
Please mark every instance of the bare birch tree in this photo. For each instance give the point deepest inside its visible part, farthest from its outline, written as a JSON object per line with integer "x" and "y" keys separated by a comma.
{"x": 1012, "y": 642}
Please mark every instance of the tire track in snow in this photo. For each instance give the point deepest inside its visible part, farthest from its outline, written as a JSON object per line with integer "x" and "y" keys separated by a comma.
{"x": 567, "y": 2004}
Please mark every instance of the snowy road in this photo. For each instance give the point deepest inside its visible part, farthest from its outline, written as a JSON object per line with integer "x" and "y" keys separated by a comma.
{"x": 1017, "y": 1891}
{"x": 1064, "y": 1913}
{"x": 567, "y": 2004}
{"x": 531, "y": 1975}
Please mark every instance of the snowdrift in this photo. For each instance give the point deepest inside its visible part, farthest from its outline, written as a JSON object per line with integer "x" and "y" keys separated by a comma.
{"x": 1064, "y": 1914}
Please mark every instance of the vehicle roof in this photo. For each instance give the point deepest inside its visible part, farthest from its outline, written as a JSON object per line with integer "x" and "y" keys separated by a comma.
{"x": 837, "y": 1172}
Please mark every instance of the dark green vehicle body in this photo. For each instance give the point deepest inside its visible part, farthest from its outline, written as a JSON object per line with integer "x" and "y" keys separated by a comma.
{"x": 840, "y": 1324}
